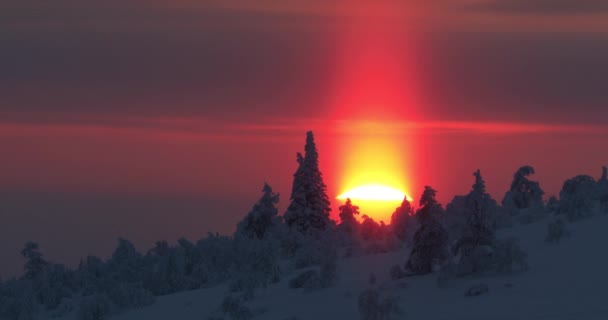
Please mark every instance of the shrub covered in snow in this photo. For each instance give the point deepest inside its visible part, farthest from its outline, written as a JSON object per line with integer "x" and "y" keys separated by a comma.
{"x": 556, "y": 229}
{"x": 235, "y": 309}
{"x": 96, "y": 307}
{"x": 376, "y": 305}
{"x": 509, "y": 257}
{"x": 477, "y": 290}
{"x": 308, "y": 279}
{"x": 396, "y": 272}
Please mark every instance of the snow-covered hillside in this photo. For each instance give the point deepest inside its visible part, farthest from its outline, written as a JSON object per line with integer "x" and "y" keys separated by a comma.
{"x": 566, "y": 280}
{"x": 475, "y": 259}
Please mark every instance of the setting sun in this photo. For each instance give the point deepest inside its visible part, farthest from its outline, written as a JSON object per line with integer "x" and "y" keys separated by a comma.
{"x": 373, "y": 192}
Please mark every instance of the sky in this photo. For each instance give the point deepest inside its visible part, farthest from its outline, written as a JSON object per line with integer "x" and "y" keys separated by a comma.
{"x": 153, "y": 120}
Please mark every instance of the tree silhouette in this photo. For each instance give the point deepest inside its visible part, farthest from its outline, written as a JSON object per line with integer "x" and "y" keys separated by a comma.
{"x": 430, "y": 240}
{"x": 262, "y": 217}
{"x": 310, "y": 207}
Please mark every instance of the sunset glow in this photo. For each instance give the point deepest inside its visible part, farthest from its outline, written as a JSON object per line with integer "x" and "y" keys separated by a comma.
{"x": 376, "y": 89}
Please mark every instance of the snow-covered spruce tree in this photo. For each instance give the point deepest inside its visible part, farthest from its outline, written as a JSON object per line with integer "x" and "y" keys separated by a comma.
{"x": 35, "y": 264}
{"x": 310, "y": 207}
{"x": 403, "y": 222}
{"x": 165, "y": 270}
{"x": 349, "y": 226}
{"x": 255, "y": 265}
{"x": 262, "y": 217}
{"x": 193, "y": 259}
{"x": 126, "y": 278}
{"x": 431, "y": 238}
{"x": 218, "y": 256}
{"x": 91, "y": 275}
{"x": 126, "y": 262}
{"x": 473, "y": 250}
{"x": 578, "y": 197}
{"x": 523, "y": 193}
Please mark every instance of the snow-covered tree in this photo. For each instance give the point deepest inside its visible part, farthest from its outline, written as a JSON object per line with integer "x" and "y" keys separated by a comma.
{"x": 461, "y": 208}
{"x": 262, "y": 217}
{"x": 578, "y": 197}
{"x": 35, "y": 264}
{"x": 523, "y": 193}
{"x": 125, "y": 284}
{"x": 370, "y": 229}
{"x": 431, "y": 238}
{"x": 218, "y": 256}
{"x": 95, "y": 307}
{"x": 349, "y": 226}
{"x": 126, "y": 261}
{"x": 310, "y": 207}
{"x": 432, "y": 208}
{"x": 165, "y": 269}
{"x": 473, "y": 249}
{"x": 403, "y": 222}
{"x": 255, "y": 265}
{"x": 375, "y": 304}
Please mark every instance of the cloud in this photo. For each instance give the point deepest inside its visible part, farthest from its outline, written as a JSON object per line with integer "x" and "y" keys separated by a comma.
{"x": 540, "y": 7}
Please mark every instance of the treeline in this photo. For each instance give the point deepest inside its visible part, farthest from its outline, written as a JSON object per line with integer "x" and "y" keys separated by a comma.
{"x": 454, "y": 241}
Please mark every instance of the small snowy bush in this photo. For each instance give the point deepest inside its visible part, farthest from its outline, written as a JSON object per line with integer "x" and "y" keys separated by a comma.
{"x": 309, "y": 279}
{"x": 65, "y": 307}
{"x": 128, "y": 296}
{"x": 396, "y": 272}
{"x": 329, "y": 270}
{"x": 97, "y": 307}
{"x": 509, "y": 257}
{"x": 477, "y": 290}
{"x": 376, "y": 306}
{"x": 556, "y": 230}
{"x": 234, "y": 308}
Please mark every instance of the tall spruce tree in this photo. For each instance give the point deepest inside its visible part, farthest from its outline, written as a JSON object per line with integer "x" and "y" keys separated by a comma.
{"x": 431, "y": 238}
{"x": 310, "y": 207}
{"x": 262, "y": 217}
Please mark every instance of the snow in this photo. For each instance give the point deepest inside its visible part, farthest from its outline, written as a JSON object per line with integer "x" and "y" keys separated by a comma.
{"x": 565, "y": 281}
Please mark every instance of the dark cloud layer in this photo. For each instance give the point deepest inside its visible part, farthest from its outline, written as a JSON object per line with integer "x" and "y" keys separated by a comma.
{"x": 541, "y": 7}
{"x": 134, "y": 57}
{"x": 519, "y": 76}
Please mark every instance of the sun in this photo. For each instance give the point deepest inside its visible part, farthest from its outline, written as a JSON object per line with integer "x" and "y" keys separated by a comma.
{"x": 374, "y": 192}
{"x": 377, "y": 200}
